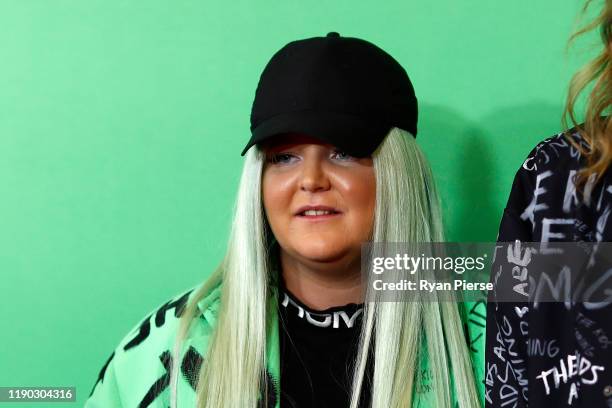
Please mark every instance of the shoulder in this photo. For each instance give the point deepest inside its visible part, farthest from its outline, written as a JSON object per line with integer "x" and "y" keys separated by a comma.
{"x": 539, "y": 182}
{"x": 556, "y": 152}
{"x": 137, "y": 372}
{"x": 547, "y": 167}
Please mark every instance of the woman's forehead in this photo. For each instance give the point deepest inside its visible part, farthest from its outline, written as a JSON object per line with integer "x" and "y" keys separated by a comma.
{"x": 291, "y": 139}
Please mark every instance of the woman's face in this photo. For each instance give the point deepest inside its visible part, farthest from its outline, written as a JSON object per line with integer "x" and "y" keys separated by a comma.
{"x": 301, "y": 172}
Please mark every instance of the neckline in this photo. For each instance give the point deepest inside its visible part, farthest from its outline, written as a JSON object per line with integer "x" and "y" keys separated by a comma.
{"x": 346, "y": 307}
{"x": 283, "y": 290}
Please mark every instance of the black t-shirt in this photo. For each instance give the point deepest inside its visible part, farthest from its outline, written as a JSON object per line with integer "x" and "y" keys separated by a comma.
{"x": 550, "y": 354}
{"x": 318, "y": 348}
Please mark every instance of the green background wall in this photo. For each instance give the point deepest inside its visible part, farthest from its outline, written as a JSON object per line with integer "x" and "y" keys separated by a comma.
{"x": 121, "y": 124}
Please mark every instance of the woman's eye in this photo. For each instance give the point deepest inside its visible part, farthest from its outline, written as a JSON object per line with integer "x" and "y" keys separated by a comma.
{"x": 280, "y": 158}
{"x": 342, "y": 155}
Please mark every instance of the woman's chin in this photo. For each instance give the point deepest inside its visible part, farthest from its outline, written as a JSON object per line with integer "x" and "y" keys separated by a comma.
{"x": 321, "y": 253}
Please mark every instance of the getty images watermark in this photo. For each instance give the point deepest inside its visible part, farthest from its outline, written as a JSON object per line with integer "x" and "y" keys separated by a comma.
{"x": 506, "y": 272}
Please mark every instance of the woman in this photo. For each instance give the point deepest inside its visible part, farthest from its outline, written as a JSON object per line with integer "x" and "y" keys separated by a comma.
{"x": 562, "y": 192}
{"x": 332, "y": 162}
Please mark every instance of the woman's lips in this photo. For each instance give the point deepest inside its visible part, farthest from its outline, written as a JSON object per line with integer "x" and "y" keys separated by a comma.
{"x": 321, "y": 217}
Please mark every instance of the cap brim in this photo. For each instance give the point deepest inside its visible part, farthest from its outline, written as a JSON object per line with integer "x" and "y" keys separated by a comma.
{"x": 352, "y": 134}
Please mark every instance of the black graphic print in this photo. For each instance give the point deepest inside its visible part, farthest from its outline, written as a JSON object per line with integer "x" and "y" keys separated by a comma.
{"x": 161, "y": 384}
{"x": 160, "y": 318}
{"x": 190, "y": 367}
{"x": 476, "y": 316}
{"x": 556, "y": 354}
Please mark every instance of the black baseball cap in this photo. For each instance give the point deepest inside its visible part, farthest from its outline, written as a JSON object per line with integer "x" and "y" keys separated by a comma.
{"x": 342, "y": 90}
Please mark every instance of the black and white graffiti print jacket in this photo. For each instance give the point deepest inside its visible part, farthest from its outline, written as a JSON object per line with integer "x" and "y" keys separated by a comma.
{"x": 549, "y": 354}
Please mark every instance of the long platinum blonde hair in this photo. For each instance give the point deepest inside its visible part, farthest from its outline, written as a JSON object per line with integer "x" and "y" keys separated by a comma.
{"x": 407, "y": 210}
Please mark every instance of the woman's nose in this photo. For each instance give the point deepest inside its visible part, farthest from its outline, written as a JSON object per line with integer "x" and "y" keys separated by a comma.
{"x": 314, "y": 176}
